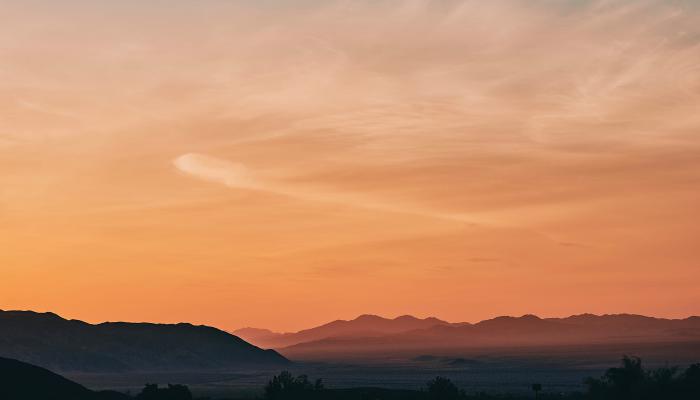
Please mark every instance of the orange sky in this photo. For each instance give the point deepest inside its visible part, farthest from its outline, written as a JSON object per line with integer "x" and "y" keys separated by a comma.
{"x": 282, "y": 164}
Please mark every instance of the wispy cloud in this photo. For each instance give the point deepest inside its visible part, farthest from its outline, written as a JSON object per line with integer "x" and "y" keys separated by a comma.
{"x": 237, "y": 176}
{"x": 540, "y": 124}
{"x": 219, "y": 171}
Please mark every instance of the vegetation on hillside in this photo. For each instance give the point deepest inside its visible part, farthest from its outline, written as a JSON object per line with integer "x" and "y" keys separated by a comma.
{"x": 629, "y": 381}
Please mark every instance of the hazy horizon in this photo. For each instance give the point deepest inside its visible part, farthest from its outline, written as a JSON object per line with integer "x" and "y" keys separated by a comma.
{"x": 355, "y": 317}
{"x": 285, "y": 164}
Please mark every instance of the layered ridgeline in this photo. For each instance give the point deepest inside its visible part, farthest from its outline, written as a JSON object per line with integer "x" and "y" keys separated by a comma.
{"x": 59, "y": 344}
{"x": 373, "y": 335}
{"x": 362, "y": 326}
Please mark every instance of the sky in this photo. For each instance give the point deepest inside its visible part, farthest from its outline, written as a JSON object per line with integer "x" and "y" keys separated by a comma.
{"x": 282, "y": 164}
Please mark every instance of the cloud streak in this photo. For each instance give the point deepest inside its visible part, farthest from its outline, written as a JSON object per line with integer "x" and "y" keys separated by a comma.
{"x": 237, "y": 176}
{"x": 439, "y": 132}
{"x": 219, "y": 171}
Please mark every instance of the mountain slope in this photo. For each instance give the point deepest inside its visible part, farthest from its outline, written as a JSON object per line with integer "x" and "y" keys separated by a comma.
{"x": 69, "y": 345}
{"x": 22, "y": 381}
{"x": 364, "y": 326}
{"x": 525, "y": 331}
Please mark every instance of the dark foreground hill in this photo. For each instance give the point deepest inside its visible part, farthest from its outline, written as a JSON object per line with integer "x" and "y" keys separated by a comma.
{"x": 53, "y": 342}
{"x": 629, "y": 381}
{"x": 22, "y": 381}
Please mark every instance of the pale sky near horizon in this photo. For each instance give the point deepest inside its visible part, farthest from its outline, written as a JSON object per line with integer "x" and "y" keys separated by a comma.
{"x": 283, "y": 164}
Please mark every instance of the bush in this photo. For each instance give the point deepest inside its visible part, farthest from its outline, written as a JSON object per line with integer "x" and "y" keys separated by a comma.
{"x": 631, "y": 381}
{"x": 443, "y": 389}
{"x": 172, "y": 392}
{"x": 286, "y": 387}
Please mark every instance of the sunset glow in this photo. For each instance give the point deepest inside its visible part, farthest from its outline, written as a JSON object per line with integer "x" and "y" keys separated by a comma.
{"x": 280, "y": 164}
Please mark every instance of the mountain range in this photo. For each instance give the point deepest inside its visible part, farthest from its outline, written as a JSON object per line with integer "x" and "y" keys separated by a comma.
{"x": 53, "y": 342}
{"x": 374, "y": 335}
{"x": 59, "y": 344}
{"x": 363, "y": 326}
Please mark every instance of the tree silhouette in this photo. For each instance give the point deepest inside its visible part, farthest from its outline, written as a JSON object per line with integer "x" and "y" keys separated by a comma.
{"x": 286, "y": 387}
{"x": 631, "y": 381}
{"x": 443, "y": 389}
{"x": 690, "y": 382}
{"x": 172, "y": 392}
{"x": 537, "y": 388}
{"x": 625, "y": 382}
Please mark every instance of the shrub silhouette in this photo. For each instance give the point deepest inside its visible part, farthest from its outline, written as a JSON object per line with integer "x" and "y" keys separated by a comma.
{"x": 172, "y": 392}
{"x": 443, "y": 389}
{"x": 631, "y": 381}
{"x": 625, "y": 382}
{"x": 286, "y": 387}
{"x": 537, "y": 388}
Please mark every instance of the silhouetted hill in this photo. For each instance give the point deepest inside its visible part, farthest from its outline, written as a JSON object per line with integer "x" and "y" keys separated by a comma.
{"x": 362, "y": 326}
{"x": 264, "y": 338}
{"x": 53, "y": 342}
{"x": 22, "y": 381}
{"x": 528, "y": 330}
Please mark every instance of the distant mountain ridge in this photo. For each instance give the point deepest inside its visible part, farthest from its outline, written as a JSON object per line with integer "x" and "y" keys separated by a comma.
{"x": 365, "y": 325}
{"x": 377, "y": 335}
{"x": 53, "y": 342}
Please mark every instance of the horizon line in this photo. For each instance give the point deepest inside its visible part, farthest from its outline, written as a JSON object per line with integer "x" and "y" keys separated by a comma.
{"x": 353, "y": 319}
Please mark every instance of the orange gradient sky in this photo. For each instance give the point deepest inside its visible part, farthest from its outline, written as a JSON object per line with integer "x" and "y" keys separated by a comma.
{"x": 285, "y": 163}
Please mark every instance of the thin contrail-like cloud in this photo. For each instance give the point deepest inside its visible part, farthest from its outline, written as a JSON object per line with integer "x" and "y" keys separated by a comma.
{"x": 238, "y": 176}
{"x": 217, "y": 170}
